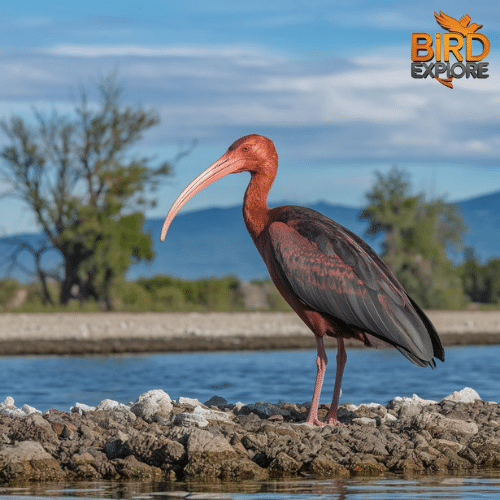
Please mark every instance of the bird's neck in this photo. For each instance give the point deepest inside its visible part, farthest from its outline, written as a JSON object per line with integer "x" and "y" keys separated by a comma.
{"x": 255, "y": 209}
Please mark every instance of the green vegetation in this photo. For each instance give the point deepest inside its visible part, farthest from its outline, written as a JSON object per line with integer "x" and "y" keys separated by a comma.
{"x": 87, "y": 191}
{"x": 481, "y": 282}
{"x": 158, "y": 294}
{"x": 417, "y": 236}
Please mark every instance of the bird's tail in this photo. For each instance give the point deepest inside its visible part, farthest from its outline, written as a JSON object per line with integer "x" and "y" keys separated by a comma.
{"x": 436, "y": 341}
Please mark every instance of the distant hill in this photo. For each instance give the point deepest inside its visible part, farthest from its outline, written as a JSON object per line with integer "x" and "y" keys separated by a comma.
{"x": 482, "y": 216}
{"x": 215, "y": 242}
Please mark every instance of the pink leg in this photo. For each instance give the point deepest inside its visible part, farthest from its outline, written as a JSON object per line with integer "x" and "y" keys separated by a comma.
{"x": 331, "y": 417}
{"x": 321, "y": 362}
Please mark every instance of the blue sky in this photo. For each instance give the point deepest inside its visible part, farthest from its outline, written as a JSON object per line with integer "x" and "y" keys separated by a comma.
{"x": 329, "y": 82}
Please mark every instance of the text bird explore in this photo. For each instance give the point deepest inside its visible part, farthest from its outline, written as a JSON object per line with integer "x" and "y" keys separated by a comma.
{"x": 330, "y": 277}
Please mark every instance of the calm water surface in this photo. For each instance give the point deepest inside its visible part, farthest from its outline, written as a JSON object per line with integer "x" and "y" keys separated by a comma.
{"x": 370, "y": 376}
{"x": 468, "y": 488}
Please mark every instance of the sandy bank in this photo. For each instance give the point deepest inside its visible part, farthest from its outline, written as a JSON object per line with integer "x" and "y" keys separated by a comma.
{"x": 80, "y": 333}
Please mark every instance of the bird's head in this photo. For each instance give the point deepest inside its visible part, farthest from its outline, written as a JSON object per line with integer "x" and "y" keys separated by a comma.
{"x": 474, "y": 27}
{"x": 253, "y": 153}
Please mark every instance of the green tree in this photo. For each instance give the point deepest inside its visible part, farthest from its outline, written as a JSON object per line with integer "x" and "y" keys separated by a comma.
{"x": 481, "y": 282}
{"x": 418, "y": 234}
{"x": 473, "y": 277}
{"x": 493, "y": 281}
{"x": 87, "y": 190}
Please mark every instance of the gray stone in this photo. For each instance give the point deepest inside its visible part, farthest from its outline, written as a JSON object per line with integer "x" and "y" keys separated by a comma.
{"x": 24, "y": 451}
{"x": 82, "y": 408}
{"x": 438, "y": 422}
{"x": 216, "y": 401}
{"x": 188, "y": 401}
{"x": 187, "y": 419}
{"x": 153, "y": 406}
{"x": 466, "y": 395}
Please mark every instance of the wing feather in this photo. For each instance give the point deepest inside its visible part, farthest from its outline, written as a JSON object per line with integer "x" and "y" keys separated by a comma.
{"x": 336, "y": 273}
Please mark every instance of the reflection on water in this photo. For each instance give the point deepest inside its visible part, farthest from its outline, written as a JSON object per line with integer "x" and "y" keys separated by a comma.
{"x": 486, "y": 486}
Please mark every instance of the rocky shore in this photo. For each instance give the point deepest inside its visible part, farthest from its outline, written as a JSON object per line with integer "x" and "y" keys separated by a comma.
{"x": 104, "y": 333}
{"x": 163, "y": 440}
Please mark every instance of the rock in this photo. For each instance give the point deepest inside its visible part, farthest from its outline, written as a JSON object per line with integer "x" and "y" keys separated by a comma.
{"x": 187, "y": 419}
{"x": 29, "y": 410}
{"x": 8, "y": 408}
{"x": 35, "y": 428}
{"x": 207, "y": 455}
{"x": 188, "y": 401}
{"x": 216, "y": 401}
{"x": 283, "y": 465}
{"x": 169, "y": 441}
{"x": 365, "y": 421}
{"x": 263, "y": 409}
{"x": 153, "y": 406}
{"x": 82, "y": 408}
{"x": 408, "y": 407}
{"x": 28, "y": 461}
{"x": 111, "y": 405}
{"x": 436, "y": 424}
{"x": 368, "y": 469}
{"x": 201, "y": 441}
{"x": 466, "y": 395}
{"x": 388, "y": 418}
{"x": 211, "y": 414}
{"x": 131, "y": 468}
{"x": 117, "y": 448}
{"x": 325, "y": 467}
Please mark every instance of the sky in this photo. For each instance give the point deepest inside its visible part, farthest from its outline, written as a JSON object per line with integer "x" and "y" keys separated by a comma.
{"x": 329, "y": 82}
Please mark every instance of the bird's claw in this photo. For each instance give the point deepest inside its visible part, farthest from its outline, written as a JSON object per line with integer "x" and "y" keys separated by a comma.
{"x": 315, "y": 422}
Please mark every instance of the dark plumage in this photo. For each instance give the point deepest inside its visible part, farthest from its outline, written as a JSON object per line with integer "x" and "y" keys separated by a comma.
{"x": 336, "y": 273}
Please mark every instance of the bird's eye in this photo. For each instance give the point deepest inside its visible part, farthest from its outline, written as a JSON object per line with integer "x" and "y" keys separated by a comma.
{"x": 245, "y": 148}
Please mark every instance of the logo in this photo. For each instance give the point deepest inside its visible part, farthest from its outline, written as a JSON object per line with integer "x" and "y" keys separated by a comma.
{"x": 461, "y": 40}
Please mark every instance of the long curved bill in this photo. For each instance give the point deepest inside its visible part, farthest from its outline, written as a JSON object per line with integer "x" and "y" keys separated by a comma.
{"x": 223, "y": 166}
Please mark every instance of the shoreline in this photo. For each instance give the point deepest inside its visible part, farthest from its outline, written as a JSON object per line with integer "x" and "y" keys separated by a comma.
{"x": 120, "y": 333}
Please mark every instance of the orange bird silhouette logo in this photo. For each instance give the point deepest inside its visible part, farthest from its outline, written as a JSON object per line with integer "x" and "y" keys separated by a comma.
{"x": 451, "y": 24}
{"x": 464, "y": 34}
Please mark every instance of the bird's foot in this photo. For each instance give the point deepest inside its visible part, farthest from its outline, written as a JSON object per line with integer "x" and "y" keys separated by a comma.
{"x": 315, "y": 422}
{"x": 334, "y": 421}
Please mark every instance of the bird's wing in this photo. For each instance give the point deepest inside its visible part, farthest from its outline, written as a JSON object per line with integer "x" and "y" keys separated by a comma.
{"x": 334, "y": 272}
{"x": 447, "y": 22}
{"x": 465, "y": 20}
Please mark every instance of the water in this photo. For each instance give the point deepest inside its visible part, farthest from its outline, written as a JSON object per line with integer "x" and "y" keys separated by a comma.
{"x": 469, "y": 488}
{"x": 370, "y": 376}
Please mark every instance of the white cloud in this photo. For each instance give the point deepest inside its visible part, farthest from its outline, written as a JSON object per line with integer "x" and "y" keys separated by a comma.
{"x": 148, "y": 51}
{"x": 364, "y": 107}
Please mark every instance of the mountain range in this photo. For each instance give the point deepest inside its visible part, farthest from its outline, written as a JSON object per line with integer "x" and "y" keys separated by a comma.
{"x": 214, "y": 242}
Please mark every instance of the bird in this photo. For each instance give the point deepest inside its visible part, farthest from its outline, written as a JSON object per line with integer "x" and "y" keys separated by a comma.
{"x": 451, "y": 24}
{"x": 330, "y": 277}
